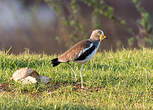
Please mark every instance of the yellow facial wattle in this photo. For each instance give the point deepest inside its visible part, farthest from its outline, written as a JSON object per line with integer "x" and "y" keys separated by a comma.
{"x": 102, "y": 37}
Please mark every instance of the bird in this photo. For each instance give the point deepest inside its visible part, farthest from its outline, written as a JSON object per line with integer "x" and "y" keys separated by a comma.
{"x": 82, "y": 51}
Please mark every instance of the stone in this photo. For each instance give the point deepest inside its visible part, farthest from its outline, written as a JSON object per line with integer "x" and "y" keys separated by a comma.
{"x": 29, "y": 76}
{"x": 23, "y": 73}
{"x": 45, "y": 79}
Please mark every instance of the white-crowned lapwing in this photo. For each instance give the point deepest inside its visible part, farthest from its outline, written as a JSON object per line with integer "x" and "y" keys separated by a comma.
{"x": 81, "y": 52}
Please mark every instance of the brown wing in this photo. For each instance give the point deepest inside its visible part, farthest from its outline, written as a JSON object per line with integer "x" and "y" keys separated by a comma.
{"x": 73, "y": 52}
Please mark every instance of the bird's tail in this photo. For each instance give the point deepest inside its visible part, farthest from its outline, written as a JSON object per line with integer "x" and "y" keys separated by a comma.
{"x": 55, "y": 62}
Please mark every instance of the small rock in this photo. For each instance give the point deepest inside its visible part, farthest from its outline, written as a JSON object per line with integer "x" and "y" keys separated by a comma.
{"x": 45, "y": 79}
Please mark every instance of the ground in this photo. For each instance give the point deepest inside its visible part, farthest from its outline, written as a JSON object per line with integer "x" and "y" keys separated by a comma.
{"x": 113, "y": 80}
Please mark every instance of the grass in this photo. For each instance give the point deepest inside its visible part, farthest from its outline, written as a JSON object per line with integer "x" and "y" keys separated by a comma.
{"x": 113, "y": 80}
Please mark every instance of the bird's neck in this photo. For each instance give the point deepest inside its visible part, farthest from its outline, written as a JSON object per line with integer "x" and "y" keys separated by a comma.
{"x": 94, "y": 41}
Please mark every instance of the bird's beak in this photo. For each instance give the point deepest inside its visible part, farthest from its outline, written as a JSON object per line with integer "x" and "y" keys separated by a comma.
{"x": 105, "y": 37}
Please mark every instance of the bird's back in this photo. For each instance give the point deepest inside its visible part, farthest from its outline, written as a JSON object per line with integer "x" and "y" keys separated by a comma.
{"x": 73, "y": 53}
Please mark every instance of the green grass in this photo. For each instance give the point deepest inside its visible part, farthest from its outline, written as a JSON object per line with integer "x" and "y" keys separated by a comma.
{"x": 113, "y": 80}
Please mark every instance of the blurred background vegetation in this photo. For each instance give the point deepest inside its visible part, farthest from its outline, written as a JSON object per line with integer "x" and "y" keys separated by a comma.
{"x": 52, "y": 26}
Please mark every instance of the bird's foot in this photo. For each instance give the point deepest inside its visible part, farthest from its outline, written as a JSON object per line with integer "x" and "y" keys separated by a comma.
{"x": 82, "y": 87}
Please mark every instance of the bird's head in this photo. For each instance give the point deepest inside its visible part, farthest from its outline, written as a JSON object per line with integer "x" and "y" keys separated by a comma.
{"x": 97, "y": 35}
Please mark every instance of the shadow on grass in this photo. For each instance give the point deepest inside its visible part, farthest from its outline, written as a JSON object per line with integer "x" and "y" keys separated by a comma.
{"x": 50, "y": 107}
{"x": 4, "y": 87}
{"x": 37, "y": 89}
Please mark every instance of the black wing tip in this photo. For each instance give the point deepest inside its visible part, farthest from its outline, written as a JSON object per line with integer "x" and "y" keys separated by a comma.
{"x": 55, "y": 62}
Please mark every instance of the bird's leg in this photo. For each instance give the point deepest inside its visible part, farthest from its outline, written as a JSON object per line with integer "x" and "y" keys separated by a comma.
{"x": 75, "y": 75}
{"x": 81, "y": 76}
